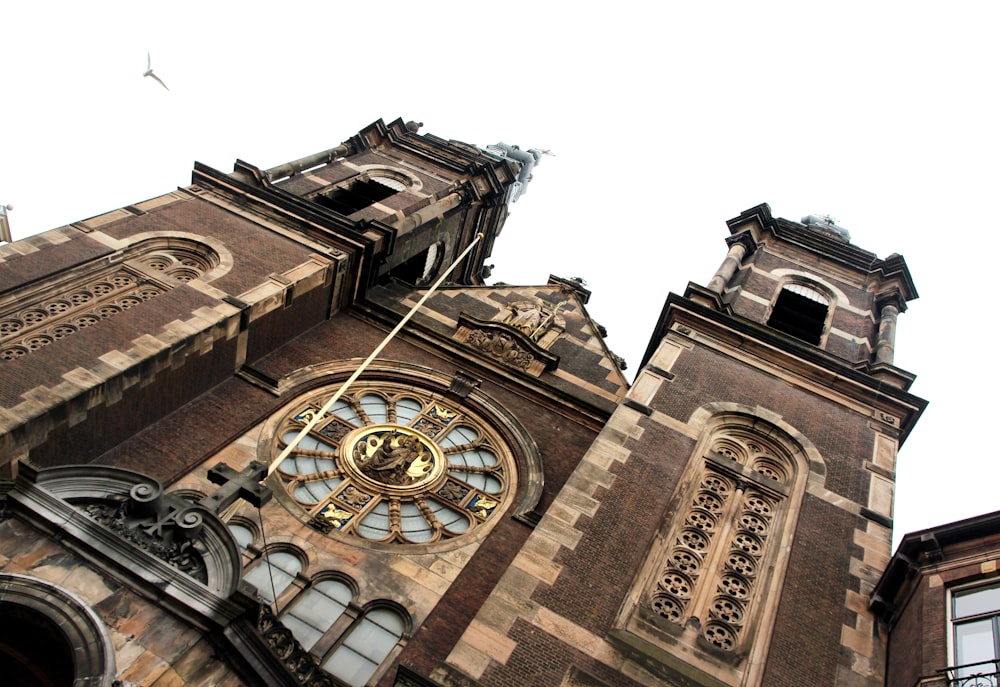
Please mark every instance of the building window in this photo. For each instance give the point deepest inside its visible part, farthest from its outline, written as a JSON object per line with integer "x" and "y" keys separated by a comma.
{"x": 975, "y": 620}
{"x": 705, "y": 595}
{"x": 392, "y": 464}
{"x": 719, "y": 550}
{"x": 357, "y": 195}
{"x": 347, "y": 641}
{"x": 800, "y": 311}
{"x": 317, "y": 610}
{"x": 422, "y": 267}
{"x": 273, "y": 574}
{"x": 365, "y": 645}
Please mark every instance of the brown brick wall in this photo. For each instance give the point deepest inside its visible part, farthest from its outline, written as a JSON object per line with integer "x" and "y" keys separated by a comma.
{"x": 140, "y": 405}
{"x": 541, "y": 660}
{"x": 591, "y": 585}
{"x": 906, "y": 650}
{"x": 257, "y": 252}
{"x": 843, "y": 438}
{"x": 811, "y": 610}
{"x": 283, "y": 324}
{"x": 51, "y": 258}
{"x": 46, "y": 366}
{"x": 171, "y": 447}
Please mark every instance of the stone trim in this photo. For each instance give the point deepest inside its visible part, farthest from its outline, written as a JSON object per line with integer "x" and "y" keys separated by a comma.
{"x": 85, "y": 634}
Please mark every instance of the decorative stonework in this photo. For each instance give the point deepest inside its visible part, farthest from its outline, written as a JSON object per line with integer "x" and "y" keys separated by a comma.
{"x": 535, "y": 319}
{"x": 166, "y": 530}
{"x": 506, "y": 344}
{"x": 29, "y": 327}
{"x": 500, "y": 346}
{"x": 299, "y": 662}
{"x": 713, "y": 566}
{"x": 128, "y": 518}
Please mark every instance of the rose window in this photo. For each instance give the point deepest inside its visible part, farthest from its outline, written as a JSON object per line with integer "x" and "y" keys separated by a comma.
{"x": 391, "y": 464}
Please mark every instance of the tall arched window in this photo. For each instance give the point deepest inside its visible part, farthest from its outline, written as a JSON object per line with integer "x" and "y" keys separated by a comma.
{"x": 317, "y": 610}
{"x": 708, "y": 582}
{"x": 719, "y": 547}
{"x": 365, "y": 645}
{"x": 273, "y": 574}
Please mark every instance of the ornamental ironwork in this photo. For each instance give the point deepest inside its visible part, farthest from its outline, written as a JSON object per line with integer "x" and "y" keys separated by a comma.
{"x": 984, "y": 674}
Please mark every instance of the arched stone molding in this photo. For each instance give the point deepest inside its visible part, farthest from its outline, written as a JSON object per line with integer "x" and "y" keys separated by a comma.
{"x": 220, "y": 256}
{"x": 837, "y": 297}
{"x": 96, "y": 506}
{"x": 524, "y": 452}
{"x": 408, "y": 180}
{"x": 293, "y": 544}
{"x": 707, "y": 595}
{"x": 752, "y": 416}
{"x": 83, "y": 633}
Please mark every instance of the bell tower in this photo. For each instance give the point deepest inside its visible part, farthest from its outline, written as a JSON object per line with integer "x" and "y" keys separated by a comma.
{"x": 730, "y": 521}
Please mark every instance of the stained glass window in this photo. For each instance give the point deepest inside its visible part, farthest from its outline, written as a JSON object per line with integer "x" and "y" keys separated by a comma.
{"x": 392, "y": 464}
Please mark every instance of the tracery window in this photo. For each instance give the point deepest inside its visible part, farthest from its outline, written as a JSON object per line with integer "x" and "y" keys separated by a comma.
{"x": 393, "y": 464}
{"x": 150, "y": 269}
{"x": 718, "y": 549}
{"x": 707, "y": 583}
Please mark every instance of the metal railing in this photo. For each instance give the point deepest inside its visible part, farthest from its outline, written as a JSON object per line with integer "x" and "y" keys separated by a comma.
{"x": 983, "y": 674}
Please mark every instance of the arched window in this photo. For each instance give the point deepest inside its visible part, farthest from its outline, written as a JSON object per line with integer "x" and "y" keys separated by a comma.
{"x": 706, "y": 583}
{"x": 317, "y": 610}
{"x": 801, "y": 310}
{"x": 365, "y": 645}
{"x": 422, "y": 267}
{"x": 49, "y": 637}
{"x": 345, "y": 640}
{"x": 242, "y": 534}
{"x": 273, "y": 574}
{"x": 719, "y": 547}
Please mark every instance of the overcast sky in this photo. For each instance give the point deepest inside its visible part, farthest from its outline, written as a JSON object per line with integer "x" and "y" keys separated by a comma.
{"x": 666, "y": 120}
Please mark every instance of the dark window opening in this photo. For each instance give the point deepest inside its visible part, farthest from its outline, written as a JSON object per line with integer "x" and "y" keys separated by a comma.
{"x": 359, "y": 195}
{"x": 799, "y": 313}
{"x": 34, "y": 652}
{"x": 421, "y": 268}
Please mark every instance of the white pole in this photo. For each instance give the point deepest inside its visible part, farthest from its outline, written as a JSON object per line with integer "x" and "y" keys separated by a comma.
{"x": 368, "y": 361}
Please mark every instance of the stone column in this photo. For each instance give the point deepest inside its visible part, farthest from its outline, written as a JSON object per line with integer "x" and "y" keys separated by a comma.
{"x": 739, "y": 246}
{"x": 889, "y": 308}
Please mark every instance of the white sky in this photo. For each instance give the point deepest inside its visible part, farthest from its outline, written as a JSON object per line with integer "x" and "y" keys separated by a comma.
{"x": 666, "y": 119}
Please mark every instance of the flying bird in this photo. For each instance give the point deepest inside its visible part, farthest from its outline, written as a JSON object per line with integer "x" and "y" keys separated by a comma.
{"x": 149, "y": 71}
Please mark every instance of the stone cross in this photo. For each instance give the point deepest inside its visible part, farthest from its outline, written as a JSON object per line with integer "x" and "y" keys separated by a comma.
{"x": 237, "y": 485}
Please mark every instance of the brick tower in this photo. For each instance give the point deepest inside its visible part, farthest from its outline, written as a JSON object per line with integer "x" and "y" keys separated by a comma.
{"x": 729, "y": 522}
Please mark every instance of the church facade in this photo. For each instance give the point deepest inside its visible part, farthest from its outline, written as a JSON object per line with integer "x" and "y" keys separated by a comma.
{"x": 274, "y": 428}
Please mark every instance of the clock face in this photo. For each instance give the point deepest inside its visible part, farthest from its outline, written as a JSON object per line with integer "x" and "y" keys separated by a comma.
{"x": 392, "y": 464}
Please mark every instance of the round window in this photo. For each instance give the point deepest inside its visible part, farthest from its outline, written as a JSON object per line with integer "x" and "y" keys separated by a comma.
{"x": 393, "y": 464}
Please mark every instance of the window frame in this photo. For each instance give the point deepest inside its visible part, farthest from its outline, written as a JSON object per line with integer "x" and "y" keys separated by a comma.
{"x": 953, "y": 623}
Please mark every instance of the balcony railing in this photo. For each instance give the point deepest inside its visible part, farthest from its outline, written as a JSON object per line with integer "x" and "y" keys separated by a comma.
{"x": 984, "y": 674}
